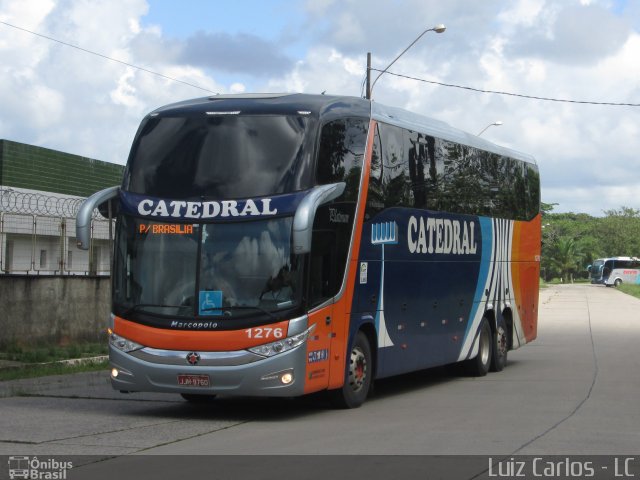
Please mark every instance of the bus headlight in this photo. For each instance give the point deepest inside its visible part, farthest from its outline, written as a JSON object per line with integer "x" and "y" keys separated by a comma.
{"x": 122, "y": 343}
{"x": 281, "y": 346}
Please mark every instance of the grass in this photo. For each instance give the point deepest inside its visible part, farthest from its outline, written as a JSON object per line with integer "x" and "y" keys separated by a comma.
{"x": 633, "y": 290}
{"x": 18, "y": 353}
{"x": 33, "y": 371}
{"x": 41, "y": 361}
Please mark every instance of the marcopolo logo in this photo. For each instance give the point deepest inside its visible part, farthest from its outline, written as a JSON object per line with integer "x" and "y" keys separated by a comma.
{"x": 35, "y": 468}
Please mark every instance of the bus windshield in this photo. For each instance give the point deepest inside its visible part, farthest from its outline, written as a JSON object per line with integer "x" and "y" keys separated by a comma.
{"x": 221, "y": 156}
{"x": 189, "y": 270}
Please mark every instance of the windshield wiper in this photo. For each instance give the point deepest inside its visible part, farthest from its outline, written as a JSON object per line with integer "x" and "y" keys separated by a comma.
{"x": 239, "y": 307}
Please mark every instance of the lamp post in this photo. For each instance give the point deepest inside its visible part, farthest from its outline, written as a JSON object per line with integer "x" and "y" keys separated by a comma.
{"x": 438, "y": 29}
{"x": 494, "y": 124}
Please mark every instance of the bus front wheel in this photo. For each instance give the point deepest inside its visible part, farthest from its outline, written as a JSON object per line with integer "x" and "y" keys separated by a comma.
{"x": 358, "y": 377}
{"x": 617, "y": 283}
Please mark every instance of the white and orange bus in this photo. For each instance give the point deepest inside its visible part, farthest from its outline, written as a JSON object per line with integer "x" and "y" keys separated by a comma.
{"x": 279, "y": 245}
{"x": 613, "y": 271}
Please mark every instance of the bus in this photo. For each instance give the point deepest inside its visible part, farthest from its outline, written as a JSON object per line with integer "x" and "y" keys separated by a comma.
{"x": 600, "y": 272}
{"x": 624, "y": 272}
{"x": 284, "y": 244}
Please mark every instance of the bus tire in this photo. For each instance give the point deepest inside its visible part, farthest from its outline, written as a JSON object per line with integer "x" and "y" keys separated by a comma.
{"x": 479, "y": 366}
{"x": 617, "y": 283}
{"x": 358, "y": 377}
{"x": 198, "y": 398}
{"x": 500, "y": 348}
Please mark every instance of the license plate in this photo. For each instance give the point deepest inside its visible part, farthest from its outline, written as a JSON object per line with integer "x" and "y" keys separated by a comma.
{"x": 194, "y": 380}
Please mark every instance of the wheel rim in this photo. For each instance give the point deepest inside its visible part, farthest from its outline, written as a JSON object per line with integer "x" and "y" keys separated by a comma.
{"x": 501, "y": 341}
{"x": 485, "y": 343}
{"x": 357, "y": 369}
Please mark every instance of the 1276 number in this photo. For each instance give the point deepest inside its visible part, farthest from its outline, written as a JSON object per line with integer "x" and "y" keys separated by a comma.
{"x": 265, "y": 332}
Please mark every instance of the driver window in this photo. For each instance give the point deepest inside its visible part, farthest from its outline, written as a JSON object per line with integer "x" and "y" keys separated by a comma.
{"x": 323, "y": 284}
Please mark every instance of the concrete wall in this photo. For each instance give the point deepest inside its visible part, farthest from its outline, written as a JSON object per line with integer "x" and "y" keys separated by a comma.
{"x": 53, "y": 310}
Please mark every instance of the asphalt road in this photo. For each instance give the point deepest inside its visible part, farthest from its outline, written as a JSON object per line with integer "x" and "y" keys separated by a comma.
{"x": 574, "y": 391}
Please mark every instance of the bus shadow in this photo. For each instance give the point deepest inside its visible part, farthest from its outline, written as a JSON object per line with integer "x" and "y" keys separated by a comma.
{"x": 418, "y": 380}
{"x": 243, "y": 409}
{"x": 237, "y": 409}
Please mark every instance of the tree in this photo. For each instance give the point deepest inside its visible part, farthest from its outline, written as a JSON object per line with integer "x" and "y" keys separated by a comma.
{"x": 620, "y": 232}
{"x": 616, "y": 234}
{"x": 566, "y": 258}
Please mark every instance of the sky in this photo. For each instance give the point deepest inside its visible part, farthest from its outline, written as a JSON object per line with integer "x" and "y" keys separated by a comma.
{"x": 56, "y": 96}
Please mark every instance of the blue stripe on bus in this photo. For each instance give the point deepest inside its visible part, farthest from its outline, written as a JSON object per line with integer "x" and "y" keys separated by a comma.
{"x": 486, "y": 227}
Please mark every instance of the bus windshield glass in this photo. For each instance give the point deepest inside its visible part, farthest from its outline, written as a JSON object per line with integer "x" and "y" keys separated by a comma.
{"x": 202, "y": 270}
{"x": 221, "y": 156}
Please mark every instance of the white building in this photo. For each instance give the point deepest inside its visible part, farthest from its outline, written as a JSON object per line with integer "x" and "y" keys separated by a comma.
{"x": 37, "y": 226}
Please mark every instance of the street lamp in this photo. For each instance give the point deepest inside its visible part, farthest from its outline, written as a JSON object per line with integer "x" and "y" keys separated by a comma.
{"x": 438, "y": 29}
{"x": 494, "y": 124}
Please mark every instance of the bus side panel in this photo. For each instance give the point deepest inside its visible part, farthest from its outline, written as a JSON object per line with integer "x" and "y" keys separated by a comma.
{"x": 318, "y": 350}
{"x": 418, "y": 277}
{"x": 526, "y": 278}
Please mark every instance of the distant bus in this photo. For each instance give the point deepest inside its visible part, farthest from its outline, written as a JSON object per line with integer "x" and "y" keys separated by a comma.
{"x": 602, "y": 268}
{"x": 629, "y": 274}
{"x": 278, "y": 245}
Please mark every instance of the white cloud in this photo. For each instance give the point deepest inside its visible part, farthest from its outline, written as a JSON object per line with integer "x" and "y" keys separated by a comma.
{"x": 522, "y": 12}
{"x": 62, "y": 98}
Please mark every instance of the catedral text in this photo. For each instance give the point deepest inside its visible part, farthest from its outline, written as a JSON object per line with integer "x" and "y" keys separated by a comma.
{"x": 441, "y": 236}
{"x": 225, "y": 208}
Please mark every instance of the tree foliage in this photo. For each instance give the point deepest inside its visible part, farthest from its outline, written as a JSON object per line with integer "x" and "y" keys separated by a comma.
{"x": 571, "y": 241}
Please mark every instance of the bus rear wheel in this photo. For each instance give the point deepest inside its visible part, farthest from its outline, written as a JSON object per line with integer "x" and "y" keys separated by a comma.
{"x": 358, "y": 377}
{"x": 479, "y": 366}
{"x": 500, "y": 348}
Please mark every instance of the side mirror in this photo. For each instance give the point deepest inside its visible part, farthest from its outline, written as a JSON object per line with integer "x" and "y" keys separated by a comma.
{"x": 306, "y": 214}
{"x": 83, "y": 218}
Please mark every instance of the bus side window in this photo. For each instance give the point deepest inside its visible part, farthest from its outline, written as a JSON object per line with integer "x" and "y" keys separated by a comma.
{"x": 341, "y": 154}
{"x": 323, "y": 282}
{"x": 340, "y": 159}
{"x": 375, "y": 194}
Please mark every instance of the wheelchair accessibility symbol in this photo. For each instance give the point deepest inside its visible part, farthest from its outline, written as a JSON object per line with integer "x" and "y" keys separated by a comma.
{"x": 210, "y": 302}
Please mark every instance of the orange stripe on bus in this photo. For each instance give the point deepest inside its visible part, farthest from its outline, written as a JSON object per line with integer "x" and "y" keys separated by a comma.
{"x": 203, "y": 341}
{"x": 526, "y": 273}
{"x": 342, "y": 308}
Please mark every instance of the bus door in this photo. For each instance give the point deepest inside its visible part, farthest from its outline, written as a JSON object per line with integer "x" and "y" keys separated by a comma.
{"x": 322, "y": 289}
{"x": 327, "y": 266}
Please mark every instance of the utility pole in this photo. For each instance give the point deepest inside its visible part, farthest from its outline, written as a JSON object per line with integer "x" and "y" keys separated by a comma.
{"x": 368, "y": 97}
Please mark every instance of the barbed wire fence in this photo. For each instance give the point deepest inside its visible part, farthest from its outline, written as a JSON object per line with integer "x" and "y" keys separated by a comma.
{"x": 38, "y": 236}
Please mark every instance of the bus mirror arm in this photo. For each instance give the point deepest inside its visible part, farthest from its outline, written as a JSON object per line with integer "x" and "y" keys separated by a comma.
{"x": 306, "y": 213}
{"x": 83, "y": 218}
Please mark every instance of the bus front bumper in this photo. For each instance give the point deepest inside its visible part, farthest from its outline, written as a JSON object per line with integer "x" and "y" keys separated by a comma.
{"x": 216, "y": 373}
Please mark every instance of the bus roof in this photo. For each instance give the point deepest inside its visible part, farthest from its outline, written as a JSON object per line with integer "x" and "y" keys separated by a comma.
{"x": 327, "y": 107}
{"x": 412, "y": 121}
